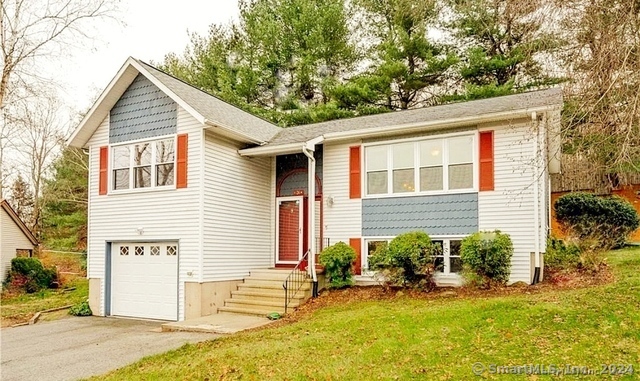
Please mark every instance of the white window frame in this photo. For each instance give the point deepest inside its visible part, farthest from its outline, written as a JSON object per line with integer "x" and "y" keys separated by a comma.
{"x": 416, "y": 172}
{"x": 446, "y": 273}
{"x": 446, "y": 253}
{"x": 131, "y": 144}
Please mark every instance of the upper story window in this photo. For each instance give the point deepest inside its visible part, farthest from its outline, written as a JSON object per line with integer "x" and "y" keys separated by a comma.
{"x": 429, "y": 166}
{"x": 143, "y": 165}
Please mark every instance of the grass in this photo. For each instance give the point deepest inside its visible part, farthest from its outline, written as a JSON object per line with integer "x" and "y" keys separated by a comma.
{"x": 20, "y": 308}
{"x": 429, "y": 338}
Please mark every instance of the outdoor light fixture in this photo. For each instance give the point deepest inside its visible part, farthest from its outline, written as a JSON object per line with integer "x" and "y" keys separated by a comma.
{"x": 330, "y": 201}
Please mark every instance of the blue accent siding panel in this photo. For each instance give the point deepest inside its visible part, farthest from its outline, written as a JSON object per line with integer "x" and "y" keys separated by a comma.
{"x": 143, "y": 111}
{"x": 455, "y": 214}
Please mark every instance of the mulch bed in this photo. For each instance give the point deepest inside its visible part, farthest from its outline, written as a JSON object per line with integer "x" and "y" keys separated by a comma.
{"x": 553, "y": 281}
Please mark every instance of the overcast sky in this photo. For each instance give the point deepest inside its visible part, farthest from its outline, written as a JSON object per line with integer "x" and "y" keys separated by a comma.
{"x": 149, "y": 29}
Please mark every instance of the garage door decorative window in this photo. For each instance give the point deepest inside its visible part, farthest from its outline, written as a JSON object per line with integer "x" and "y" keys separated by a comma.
{"x": 124, "y": 250}
{"x": 172, "y": 250}
{"x": 155, "y": 250}
{"x": 139, "y": 250}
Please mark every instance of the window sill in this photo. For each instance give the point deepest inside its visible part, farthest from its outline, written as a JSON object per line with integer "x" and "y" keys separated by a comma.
{"x": 140, "y": 190}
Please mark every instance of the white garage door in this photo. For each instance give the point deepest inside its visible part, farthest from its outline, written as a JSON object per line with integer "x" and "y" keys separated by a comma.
{"x": 144, "y": 280}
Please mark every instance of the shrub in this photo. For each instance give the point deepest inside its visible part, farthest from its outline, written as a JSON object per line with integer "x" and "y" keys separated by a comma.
{"x": 603, "y": 221}
{"x": 561, "y": 255}
{"x": 486, "y": 257}
{"x": 81, "y": 309}
{"x": 338, "y": 261}
{"x": 29, "y": 275}
{"x": 406, "y": 261}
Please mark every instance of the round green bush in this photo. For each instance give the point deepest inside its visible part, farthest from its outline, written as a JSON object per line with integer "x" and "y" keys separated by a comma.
{"x": 31, "y": 274}
{"x": 585, "y": 216}
{"x": 486, "y": 257}
{"x": 338, "y": 262}
{"x": 406, "y": 261}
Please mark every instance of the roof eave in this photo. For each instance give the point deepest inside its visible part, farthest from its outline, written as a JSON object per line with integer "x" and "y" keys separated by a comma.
{"x": 295, "y": 147}
{"x": 110, "y": 96}
{"x": 283, "y": 149}
{"x": 16, "y": 219}
{"x": 100, "y": 108}
{"x": 230, "y": 133}
{"x": 431, "y": 125}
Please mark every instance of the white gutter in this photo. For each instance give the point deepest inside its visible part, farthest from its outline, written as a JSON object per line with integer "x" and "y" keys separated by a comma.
{"x": 536, "y": 195}
{"x": 272, "y": 150}
{"x": 418, "y": 127}
{"x": 308, "y": 149}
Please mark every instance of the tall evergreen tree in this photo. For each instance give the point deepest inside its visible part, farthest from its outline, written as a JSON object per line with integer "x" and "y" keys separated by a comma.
{"x": 407, "y": 67}
{"x": 22, "y": 200}
{"x": 502, "y": 43}
{"x": 279, "y": 61}
{"x": 64, "y": 215}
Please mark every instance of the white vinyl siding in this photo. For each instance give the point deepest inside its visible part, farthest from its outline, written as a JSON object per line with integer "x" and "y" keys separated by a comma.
{"x": 238, "y": 211}
{"x": 11, "y": 239}
{"x": 342, "y": 219}
{"x": 510, "y": 206}
{"x": 162, "y": 215}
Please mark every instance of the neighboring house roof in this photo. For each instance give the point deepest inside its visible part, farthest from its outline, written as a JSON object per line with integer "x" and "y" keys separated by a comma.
{"x": 454, "y": 111}
{"x": 14, "y": 216}
{"x": 209, "y": 110}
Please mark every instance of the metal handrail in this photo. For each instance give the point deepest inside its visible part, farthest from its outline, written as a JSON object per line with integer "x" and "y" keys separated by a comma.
{"x": 294, "y": 281}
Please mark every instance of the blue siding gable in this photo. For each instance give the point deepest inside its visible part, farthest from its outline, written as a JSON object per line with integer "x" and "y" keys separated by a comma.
{"x": 143, "y": 111}
{"x": 454, "y": 214}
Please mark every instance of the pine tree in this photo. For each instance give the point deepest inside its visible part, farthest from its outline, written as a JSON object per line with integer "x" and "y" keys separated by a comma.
{"x": 22, "y": 200}
{"x": 501, "y": 42}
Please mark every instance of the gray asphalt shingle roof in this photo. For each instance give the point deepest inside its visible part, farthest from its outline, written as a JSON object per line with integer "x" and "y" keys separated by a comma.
{"x": 216, "y": 110}
{"x": 232, "y": 117}
{"x": 529, "y": 100}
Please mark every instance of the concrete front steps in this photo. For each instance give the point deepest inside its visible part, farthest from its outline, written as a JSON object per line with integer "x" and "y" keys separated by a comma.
{"x": 262, "y": 293}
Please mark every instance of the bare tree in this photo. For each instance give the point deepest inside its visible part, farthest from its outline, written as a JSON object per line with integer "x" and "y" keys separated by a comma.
{"x": 39, "y": 137}
{"x": 31, "y": 31}
{"x": 602, "y": 112}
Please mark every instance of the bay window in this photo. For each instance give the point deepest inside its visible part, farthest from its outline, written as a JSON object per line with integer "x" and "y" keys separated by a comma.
{"x": 420, "y": 166}
{"x": 143, "y": 165}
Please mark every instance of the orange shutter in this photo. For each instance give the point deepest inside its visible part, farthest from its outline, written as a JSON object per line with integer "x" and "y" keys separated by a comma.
{"x": 486, "y": 161}
{"x": 104, "y": 172}
{"x": 354, "y": 172}
{"x": 181, "y": 162}
{"x": 355, "y": 243}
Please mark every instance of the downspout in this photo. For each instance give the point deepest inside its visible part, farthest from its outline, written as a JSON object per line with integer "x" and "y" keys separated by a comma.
{"x": 536, "y": 197}
{"x": 308, "y": 149}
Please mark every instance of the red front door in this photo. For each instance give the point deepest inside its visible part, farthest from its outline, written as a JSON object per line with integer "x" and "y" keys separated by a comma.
{"x": 289, "y": 229}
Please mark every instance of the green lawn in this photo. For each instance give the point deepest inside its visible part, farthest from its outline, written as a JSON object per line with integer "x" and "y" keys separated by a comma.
{"x": 16, "y": 309}
{"x": 432, "y": 339}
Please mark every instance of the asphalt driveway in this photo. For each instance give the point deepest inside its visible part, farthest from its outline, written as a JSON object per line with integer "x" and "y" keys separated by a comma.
{"x": 74, "y": 348}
